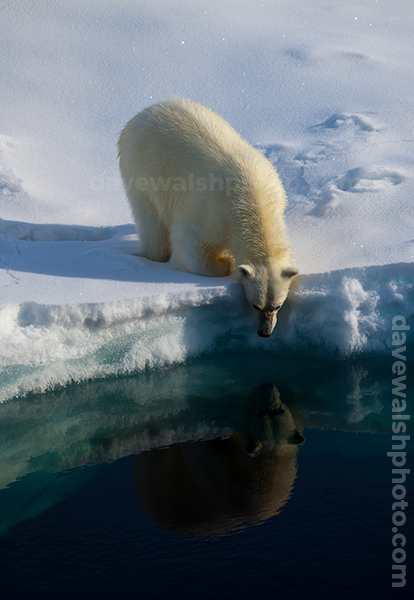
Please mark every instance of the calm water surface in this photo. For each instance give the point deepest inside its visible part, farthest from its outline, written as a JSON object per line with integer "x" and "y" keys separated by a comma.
{"x": 229, "y": 476}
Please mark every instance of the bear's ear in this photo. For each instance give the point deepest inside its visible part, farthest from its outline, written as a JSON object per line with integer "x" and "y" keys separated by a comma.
{"x": 296, "y": 438}
{"x": 290, "y": 272}
{"x": 245, "y": 270}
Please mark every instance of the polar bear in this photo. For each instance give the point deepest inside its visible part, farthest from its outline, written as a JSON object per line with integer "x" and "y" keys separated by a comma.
{"x": 214, "y": 487}
{"x": 206, "y": 200}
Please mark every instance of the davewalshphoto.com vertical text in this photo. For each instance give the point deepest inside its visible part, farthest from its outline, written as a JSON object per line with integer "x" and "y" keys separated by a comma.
{"x": 400, "y": 418}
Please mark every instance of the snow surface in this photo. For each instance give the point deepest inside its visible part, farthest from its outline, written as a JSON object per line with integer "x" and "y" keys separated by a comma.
{"x": 323, "y": 89}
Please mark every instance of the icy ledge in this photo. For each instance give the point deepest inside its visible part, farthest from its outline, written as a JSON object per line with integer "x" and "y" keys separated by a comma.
{"x": 337, "y": 314}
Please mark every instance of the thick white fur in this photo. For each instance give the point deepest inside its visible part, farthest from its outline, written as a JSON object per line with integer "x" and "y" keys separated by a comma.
{"x": 206, "y": 200}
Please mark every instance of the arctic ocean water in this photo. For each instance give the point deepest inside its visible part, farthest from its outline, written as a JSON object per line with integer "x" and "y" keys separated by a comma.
{"x": 230, "y": 475}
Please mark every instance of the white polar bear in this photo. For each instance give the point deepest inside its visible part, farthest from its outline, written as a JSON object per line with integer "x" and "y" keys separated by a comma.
{"x": 206, "y": 200}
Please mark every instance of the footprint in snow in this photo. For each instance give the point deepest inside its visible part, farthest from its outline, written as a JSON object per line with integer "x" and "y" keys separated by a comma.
{"x": 345, "y": 121}
{"x": 357, "y": 180}
{"x": 366, "y": 180}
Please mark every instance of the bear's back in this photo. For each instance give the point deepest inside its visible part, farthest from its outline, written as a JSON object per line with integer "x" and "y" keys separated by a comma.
{"x": 189, "y": 134}
{"x": 182, "y": 120}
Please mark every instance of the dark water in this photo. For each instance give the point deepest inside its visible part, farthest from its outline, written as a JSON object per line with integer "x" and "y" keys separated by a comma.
{"x": 205, "y": 481}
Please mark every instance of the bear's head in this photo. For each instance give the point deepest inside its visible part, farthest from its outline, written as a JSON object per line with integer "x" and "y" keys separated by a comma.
{"x": 266, "y": 287}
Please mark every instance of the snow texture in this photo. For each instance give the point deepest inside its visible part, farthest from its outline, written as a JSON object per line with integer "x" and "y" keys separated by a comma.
{"x": 323, "y": 89}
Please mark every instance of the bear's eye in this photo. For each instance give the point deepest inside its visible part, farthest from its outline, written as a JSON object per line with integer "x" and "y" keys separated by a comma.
{"x": 256, "y": 307}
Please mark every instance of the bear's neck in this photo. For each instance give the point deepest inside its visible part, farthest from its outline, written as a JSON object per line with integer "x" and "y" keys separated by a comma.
{"x": 258, "y": 238}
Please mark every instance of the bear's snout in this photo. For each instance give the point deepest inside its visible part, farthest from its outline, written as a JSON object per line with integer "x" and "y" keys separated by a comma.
{"x": 264, "y": 322}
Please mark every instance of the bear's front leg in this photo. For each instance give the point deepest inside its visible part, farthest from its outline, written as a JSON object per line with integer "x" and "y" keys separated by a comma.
{"x": 218, "y": 262}
{"x": 191, "y": 254}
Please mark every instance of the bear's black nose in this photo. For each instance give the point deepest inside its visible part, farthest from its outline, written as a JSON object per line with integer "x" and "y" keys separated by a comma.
{"x": 263, "y": 334}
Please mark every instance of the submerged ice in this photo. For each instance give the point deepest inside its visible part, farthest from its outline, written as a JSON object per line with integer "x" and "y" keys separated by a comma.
{"x": 45, "y": 439}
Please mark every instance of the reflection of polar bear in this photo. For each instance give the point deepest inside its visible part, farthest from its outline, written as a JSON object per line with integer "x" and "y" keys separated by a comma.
{"x": 215, "y": 486}
{"x": 204, "y": 198}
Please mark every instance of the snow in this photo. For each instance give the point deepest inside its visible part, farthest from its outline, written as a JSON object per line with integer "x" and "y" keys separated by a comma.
{"x": 324, "y": 90}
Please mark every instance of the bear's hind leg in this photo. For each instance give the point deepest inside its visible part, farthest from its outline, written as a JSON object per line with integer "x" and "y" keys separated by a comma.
{"x": 154, "y": 238}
